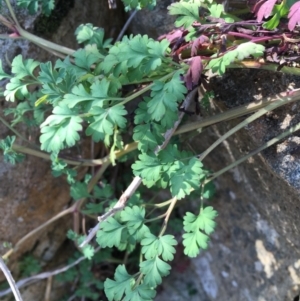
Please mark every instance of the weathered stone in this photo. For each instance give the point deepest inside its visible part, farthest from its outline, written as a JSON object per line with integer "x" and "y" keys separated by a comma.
{"x": 29, "y": 194}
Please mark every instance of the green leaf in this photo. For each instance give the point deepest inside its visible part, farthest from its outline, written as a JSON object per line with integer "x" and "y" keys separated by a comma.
{"x": 88, "y": 251}
{"x": 79, "y": 190}
{"x": 49, "y": 75}
{"x": 10, "y": 156}
{"x": 2, "y": 73}
{"x": 110, "y": 233}
{"x": 148, "y": 136}
{"x": 135, "y": 57}
{"x": 185, "y": 177}
{"x": 165, "y": 98}
{"x": 104, "y": 121}
{"x": 32, "y": 6}
{"x": 100, "y": 94}
{"x": 84, "y": 58}
{"x": 243, "y": 51}
{"x": 139, "y": 4}
{"x": 154, "y": 269}
{"x": 115, "y": 289}
{"x": 22, "y": 68}
{"x": 88, "y": 34}
{"x": 104, "y": 192}
{"x": 194, "y": 239}
{"x": 142, "y": 292}
{"x": 56, "y": 83}
{"x": 60, "y": 129}
{"x": 193, "y": 242}
{"x": 209, "y": 190}
{"x": 133, "y": 217}
{"x": 47, "y": 7}
{"x": 187, "y": 12}
{"x": 279, "y": 11}
{"x": 148, "y": 167}
{"x": 15, "y": 89}
{"x": 158, "y": 246}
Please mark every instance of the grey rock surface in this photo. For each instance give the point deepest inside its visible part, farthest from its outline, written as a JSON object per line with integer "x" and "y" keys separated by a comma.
{"x": 29, "y": 194}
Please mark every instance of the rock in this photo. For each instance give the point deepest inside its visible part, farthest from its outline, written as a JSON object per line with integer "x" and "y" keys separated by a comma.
{"x": 29, "y": 194}
{"x": 153, "y": 22}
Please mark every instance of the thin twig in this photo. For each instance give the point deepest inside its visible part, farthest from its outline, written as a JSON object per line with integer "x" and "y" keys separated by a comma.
{"x": 48, "y": 288}
{"x": 168, "y": 213}
{"x": 132, "y": 15}
{"x": 45, "y": 275}
{"x": 13, "y": 287}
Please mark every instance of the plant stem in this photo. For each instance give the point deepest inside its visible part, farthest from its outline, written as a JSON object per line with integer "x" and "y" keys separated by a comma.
{"x": 14, "y": 131}
{"x": 168, "y": 213}
{"x": 264, "y": 66}
{"x": 144, "y": 90}
{"x": 10, "y": 280}
{"x": 254, "y": 152}
{"x": 224, "y": 116}
{"x": 280, "y": 100}
{"x": 45, "y": 43}
{"x": 155, "y": 218}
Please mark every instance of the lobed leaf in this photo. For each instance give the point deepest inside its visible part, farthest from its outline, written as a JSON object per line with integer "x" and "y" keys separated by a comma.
{"x": 115, "y": 289}
{"x": 187, "y": 12}
{"x": 110, "y": 233}
{"x": 22, "y": 68}
{"x": 218, "y": 65}
{"x": 104, "y": 121}
{"x": 194, "y": 239}
{"x": 158, "y": 246}
{"x": 154, "y": 269}
{"x": 193, "y": 242}
{"x": 134, "y": 218}
{"x": 60, "y": 129}
{"x": 185, "y": 177}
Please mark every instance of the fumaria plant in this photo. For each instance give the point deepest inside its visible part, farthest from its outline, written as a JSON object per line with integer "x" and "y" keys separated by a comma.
{"x": 87, "y": 92}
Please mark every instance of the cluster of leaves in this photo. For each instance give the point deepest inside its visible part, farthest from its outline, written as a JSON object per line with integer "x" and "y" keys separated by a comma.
{"x": 179, "y": 170}
{"x": 10, "y": 156}
{"x": 32, "y": 5}
{"x": 88, "y": 283}
{"x": 138, "y": 4}
{"x": 29, "y": 266}
{"x": 124, "y": 231}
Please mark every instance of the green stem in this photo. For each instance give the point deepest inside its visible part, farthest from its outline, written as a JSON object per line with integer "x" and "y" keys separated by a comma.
{"x": 155, "y": 218}
{"x": 37, "y": 40}
{"x": 256, "y": 151}
{"x": 168, "y": 213}
{"x": 15, "y": 131}
{"x": 144, "y": 90}
{"x": 12, "y": 13}
{"x": 224, "y": 116}
{"x": 40, "y": 154}
{"x": 264, "y": 66}
{"x": 44, "y": 43}
{"x": 279, "y": 102}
